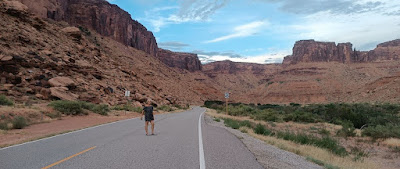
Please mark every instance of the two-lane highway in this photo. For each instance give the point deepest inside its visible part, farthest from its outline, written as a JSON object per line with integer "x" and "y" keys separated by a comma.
{"x": 123, "y": 144}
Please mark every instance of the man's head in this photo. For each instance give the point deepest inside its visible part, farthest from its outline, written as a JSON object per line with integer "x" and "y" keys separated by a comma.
{"x": 148, "y": 102}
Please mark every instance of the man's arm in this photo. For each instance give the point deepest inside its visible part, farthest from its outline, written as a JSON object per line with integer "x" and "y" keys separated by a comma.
{"x": 141, "y": 116}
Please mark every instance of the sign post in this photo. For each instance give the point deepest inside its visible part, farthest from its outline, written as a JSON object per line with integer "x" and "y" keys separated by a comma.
{"x": 226, "y": 101}
{"x": 127, "y": 94}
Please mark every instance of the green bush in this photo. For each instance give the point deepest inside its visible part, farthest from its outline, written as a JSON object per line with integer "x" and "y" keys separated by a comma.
{"x": 68, "y": 107}
{"x": 232, "y": 123}
{"x": 19, "y": 122}
{"x": 347, "y": 130}
{"x": 77, "y": 107}
{"x": 358, "y": 153}
{"x": 217, "y": 119}
{"x": 54, "y": 115}
{"x": 5, "y": 101}
{"x": 324, "y": 132}
{"x": 101, "y": 109}
{"x": 3, "y": 126}
{"x": 127, "y": 107}
{"x": 324, "y": 142}
{"x": 165, "y": 108}
{"x": 245, "y": 123}
{"x": 382, "y": 131}
{"x": 260, "y": 129}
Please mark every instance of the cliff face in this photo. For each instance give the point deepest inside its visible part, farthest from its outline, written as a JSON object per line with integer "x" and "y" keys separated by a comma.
{"x": 106, "y": 19}
{"x": 188, "y": 61}
{"x": 313, "y": 51}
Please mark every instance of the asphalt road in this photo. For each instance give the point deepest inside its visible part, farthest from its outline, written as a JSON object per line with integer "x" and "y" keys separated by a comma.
{"x": 176, "y": 145}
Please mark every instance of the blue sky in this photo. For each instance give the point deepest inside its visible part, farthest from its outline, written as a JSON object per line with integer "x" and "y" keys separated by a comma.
{"x": 263, "y": 31}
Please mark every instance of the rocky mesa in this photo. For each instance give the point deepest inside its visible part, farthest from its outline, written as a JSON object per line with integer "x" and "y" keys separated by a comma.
{"x": 187, "y": 61}
{"x": 314, "y": 51}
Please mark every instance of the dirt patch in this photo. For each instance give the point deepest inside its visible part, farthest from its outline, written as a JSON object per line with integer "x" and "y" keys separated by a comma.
{"x": 67, "y": 123}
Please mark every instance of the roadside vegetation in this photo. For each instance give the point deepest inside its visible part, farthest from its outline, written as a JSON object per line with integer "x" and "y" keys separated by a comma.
{"x": 127, "y": 107}
{"x": 4, "y": 101}
{"x": 333, "y": 135}
{"x": 377, "y": 121}
{"x": 79, "y": 107}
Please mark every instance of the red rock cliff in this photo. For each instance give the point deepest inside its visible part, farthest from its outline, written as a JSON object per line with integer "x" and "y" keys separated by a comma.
{"x": 107, "y": 19}
{"x": 313, "y": 51}
{"x": 188, "y": 61}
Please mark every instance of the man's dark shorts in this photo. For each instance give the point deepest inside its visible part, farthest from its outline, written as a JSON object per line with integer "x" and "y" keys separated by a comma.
{"x": 149, "y": 117}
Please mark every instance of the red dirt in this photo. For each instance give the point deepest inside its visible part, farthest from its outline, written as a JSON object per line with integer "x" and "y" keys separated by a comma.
{"x": 67, "y": 123}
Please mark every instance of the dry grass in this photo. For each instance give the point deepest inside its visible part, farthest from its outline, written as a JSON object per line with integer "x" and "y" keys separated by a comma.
{"x": 392, "y": 142}
{"x": 305, "y": 150}
{"x": 292, "y": 126}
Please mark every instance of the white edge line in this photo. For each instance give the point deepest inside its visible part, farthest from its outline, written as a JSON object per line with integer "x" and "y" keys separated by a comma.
{"x": 66, "y": 133}
{"x": 201, "y": 151}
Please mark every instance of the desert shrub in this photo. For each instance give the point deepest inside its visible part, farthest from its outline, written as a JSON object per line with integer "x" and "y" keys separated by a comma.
{"x": 231, "y": 123}
{"x": 183, "y": 107}
{"x": 77, "y": 107}
{"x": 295, "y": 104}
{"x": 212, "y": 104}
{"x": 268, "y": 115}
{"x": 241, "y": 110}
{"x": 382, "y": 131}
{"x": 5, "y": 101}
{"x": 3, "y": 126}
{"x": 358, "y": 153}
{"x": 101, "y": 109}
{"x": 67, "y": 107}
{"x": 127, "y": 107}
{"x": 324, "y": 142}
{"x": 165, "y": 108}
{"x": 324, "y": 132}
{"x": 347, "y": 130}
{"x": 245, "y": 123}
{"x": 260, "y": 129}
{"x": 54, "y": 115}
{"x": 217, "y": 119}
{"x": 19, "y": 122}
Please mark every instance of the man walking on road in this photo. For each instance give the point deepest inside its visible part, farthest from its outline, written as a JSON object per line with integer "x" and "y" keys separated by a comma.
{"x": 149, "y": 117}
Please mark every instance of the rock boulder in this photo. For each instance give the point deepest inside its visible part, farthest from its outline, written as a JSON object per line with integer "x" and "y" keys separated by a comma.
{"x": 62, "y": 82}
{"x": 62, "y": 93}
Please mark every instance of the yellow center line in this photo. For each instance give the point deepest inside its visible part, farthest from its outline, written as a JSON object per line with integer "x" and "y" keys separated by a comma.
{"x": 65, "y": 159}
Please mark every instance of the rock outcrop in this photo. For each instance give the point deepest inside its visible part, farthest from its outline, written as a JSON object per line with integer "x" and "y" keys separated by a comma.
{"x": 313, "y": 51}
{"x": 188, "y": 61}
{"x": 99, "y": 15}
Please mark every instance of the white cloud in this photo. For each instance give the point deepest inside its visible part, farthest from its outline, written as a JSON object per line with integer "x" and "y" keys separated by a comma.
{"x": 187, "y": 11}
{"x": 364, "y": 30}
{"x": 360, "y": 29}
{"x": 269, "y": 57}
{"x": 243, "y": 31}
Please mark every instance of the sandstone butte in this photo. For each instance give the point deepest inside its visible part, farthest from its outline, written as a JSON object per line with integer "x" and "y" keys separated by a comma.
{"x": 43, "y": 55}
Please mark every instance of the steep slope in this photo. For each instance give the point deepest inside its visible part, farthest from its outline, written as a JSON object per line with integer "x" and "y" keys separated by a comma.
{"x": 99, "y": 15}
{"x": 239, "y": 78}
{"x": 34, "y": 51}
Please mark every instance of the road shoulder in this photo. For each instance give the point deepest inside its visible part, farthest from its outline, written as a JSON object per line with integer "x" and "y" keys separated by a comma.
{"x": 268, "y": 156}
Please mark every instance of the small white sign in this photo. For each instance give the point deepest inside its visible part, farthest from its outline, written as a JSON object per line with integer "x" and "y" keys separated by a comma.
{"x": 127, "y": 93}
{"x": 226, "y": 95}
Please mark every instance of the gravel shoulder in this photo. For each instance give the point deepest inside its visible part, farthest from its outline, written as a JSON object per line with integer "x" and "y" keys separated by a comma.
{"x": 268, "y": 156}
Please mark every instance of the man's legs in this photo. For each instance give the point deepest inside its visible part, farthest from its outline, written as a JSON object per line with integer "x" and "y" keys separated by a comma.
{"x": 146, "y": 127}
{"x": 152, "y": 127}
